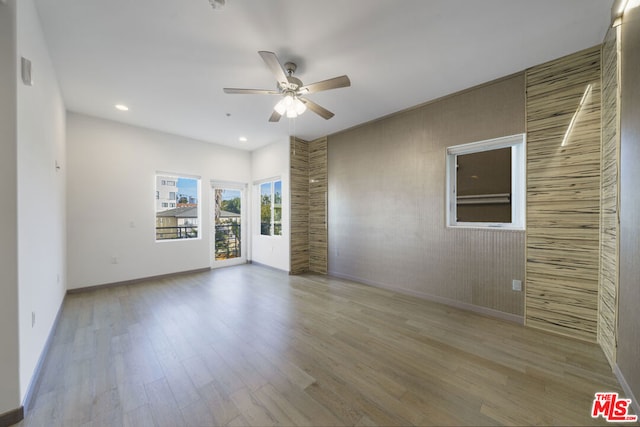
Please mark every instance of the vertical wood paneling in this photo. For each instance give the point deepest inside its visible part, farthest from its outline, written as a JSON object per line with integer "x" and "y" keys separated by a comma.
{"x": 299, "y": 214}
{"x": 308, "y": 206}
{"x": 318, "y": 206}
{"x": 563, "y": 194}
{"x": 609, "y": 227}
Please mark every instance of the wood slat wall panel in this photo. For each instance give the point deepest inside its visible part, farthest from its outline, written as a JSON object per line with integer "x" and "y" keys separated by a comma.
{"x": 609, "y": 248}
{"x": 308, "y": 206}
{"x": 299, "y": 178}
{"x": 563, "y": 195}
{"x": 318, "y": 206}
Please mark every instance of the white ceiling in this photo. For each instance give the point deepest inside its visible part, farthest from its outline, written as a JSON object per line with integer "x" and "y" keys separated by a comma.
{"x": 168, "y": 60}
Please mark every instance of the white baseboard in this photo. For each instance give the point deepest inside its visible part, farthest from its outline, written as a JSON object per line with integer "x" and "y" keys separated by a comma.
{"x": 135, "y": 281}
{"x": 442, "y": 300}
{"x": 259, "y": 264}
{"x": 627, "y": 390}
{"x": 35, "y": 378}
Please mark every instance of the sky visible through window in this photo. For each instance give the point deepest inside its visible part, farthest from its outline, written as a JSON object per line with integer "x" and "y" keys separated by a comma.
{"x": 230, "y": 194}
{"x": 188, "y": 187}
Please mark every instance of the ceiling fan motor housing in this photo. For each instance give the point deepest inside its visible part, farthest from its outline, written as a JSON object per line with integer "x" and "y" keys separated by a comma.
{"x": 293, "y": 84}
{"x": 290, "y": 67}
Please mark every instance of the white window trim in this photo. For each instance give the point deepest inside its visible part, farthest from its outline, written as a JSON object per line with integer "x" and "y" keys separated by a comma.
{"x": 175, "y": 177}
{"x": 258, "y": 225}
{"x": 518, "y": 181}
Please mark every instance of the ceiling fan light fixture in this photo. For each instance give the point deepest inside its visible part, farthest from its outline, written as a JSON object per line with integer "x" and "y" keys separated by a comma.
{"x": 299, "y": 106}
{"x": 282, "y": 105}
{"x": 291, "y": 113}
{"x": 293, "y": 102}
{"x": 290, "y": 106}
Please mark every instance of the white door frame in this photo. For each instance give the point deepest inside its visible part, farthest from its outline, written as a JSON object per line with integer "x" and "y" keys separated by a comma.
{"x": 244, "y": 223}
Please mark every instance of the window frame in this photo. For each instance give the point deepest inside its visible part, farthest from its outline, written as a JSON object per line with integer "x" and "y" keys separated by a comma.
{"x": 171, "y": 177}
{"x": 258, "y": 186}
{"x": 517, "y": 143}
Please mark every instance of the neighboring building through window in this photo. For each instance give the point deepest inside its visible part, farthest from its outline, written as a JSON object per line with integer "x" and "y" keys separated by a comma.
{"x": 177, "y": 217}
{"x": 486, "y": 183}
{"x": 165, "y": 192}
{"x": 271, "y": 208}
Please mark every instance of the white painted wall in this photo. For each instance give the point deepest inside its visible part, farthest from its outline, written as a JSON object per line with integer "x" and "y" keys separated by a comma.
{"x": 9, "y": 352}
{"x": 269, "y": 162}
{"x": 41, "y": 195}
{"x": 111, "y": 171}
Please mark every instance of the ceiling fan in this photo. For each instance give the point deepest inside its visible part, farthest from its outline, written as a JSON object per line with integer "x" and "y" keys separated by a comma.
{"x": 292, "y": 90}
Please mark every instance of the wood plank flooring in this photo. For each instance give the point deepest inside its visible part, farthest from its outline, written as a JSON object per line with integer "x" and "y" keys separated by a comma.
{"x": 253, "y": 346}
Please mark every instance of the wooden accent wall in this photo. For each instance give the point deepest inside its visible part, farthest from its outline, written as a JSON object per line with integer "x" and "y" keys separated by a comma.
{"x": 318, "y": 206}
{"x": 308, "y": 206}
{"x": 299, "y": 211}
{"x": 609, "y": 226}
{"x": 563, "y": 195}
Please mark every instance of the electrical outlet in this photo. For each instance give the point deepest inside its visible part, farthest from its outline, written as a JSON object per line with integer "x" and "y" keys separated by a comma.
{"x": 25, "y": 67}
{"x": 114, "y": 260}
{"x": 516, "y": 285}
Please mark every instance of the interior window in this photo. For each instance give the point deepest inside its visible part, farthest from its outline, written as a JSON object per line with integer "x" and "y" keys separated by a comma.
{"x": 486, "y": 183}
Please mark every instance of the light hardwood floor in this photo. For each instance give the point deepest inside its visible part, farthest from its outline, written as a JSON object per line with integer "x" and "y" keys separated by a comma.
{"x": 253, "y": 346}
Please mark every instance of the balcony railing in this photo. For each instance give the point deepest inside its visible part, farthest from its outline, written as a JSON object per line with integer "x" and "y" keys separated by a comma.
{"x": 228, "y": 243}
{"x": 176, "y": 232}
{"x": 265, "y": 229}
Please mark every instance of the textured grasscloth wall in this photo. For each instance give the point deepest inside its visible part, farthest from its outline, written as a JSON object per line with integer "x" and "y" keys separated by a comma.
{"x": 299, "y": 178}
{"x": 628, "y": 354}
{"x": 563, "y": 194}
{"x": 387, "y": 201}
{"x": 609, "y": 227}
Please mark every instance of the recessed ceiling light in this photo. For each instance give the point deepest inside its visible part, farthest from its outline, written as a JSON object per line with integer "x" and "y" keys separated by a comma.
{"x": 122, "y": 107}
{"x": 243, "y": 139}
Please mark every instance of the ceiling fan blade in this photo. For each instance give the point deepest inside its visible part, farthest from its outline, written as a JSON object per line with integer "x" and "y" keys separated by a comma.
{"x": 321, "y": 111}
{"x": 275, "y": 116}
{"x": 272, "y": 62}
{"x": 250, "y": 91}
{"x": 334, "y": 83}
